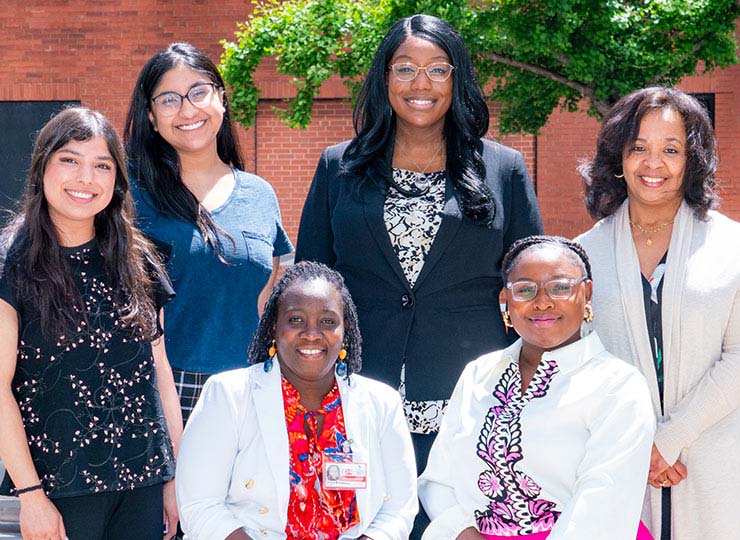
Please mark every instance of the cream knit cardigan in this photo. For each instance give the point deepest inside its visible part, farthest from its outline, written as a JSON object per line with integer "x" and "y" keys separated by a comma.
{"x": 701, "y": 346}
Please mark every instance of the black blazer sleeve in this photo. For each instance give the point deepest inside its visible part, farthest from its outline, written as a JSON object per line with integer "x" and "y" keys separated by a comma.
{"x": 523, "y": 213}
{"x": 315, "y": 235}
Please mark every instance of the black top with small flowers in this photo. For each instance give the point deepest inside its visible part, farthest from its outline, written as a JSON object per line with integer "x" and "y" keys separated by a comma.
{"x": 89, "y": 399}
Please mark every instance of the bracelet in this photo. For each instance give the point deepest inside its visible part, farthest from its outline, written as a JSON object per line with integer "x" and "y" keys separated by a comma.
{"x": 27, "y": 489}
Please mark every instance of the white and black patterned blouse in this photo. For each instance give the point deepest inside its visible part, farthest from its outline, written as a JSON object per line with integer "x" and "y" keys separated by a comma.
{"x": 412, "y": 218}
{"x": 88, "y": 399}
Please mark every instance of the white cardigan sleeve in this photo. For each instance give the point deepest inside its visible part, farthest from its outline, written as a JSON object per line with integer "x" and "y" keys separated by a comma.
{"x": 612, "y": 476}
{"x": 207, "y": 453}
{"x": 436, "y": 484}
{"x": 713, "y": 398}
{"x": 395, "y": 517}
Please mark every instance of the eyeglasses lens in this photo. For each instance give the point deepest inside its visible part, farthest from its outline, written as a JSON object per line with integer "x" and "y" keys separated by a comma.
{"x": 557, "y": 289}
{"x": 438, "y": 72}
{"x": 170, "y": 103}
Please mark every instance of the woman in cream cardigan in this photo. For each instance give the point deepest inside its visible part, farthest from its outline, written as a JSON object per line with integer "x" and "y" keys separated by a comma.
{"x": 667, "y": 294}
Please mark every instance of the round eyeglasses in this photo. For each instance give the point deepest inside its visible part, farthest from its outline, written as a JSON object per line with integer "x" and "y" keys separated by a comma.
{"x": 524, "y": 290}
{"x": 437, "y": 72}
{"x": 199, "y": 95}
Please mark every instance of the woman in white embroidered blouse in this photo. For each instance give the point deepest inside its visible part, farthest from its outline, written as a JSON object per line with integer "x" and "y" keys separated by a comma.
{"x": 551, "y": 437}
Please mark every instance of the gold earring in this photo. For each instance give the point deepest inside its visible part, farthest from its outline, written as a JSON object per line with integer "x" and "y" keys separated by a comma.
{"x": 507, "y": 319}
{"x": 342, "y": 353}
{"x": 272, "y": 350}
{"x": 588, "y": 316}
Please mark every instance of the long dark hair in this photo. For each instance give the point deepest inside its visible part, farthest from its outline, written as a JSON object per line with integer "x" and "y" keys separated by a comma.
{"x": 154, "y": 162}
{"x": 605, "y": 192}
{"x": 40, "y": 272}
{"x": 302, "y": 272}
{"x": 370, "y": 153}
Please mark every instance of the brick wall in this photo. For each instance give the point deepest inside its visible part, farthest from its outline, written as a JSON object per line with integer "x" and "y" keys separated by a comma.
{"x": 93, "y": 51}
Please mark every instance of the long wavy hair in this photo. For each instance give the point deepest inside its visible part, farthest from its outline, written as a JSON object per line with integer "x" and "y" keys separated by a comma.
{"x": 370, "y": 153}
{"x": 35, "y": 260}
{"x": 300, "y": 273}
{"x": 154, "y": 162}
{"x": 605, "y": 191}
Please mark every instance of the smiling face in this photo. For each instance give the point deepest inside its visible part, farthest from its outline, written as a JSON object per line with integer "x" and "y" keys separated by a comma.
{"x": 191, "y": 129}
{"x": 79, "y": 179}
{"x": 543, "y": 323}
{"x": 308, "y": 333}
{"x": 420, "y": 103}
{"x": 654, "y": 164}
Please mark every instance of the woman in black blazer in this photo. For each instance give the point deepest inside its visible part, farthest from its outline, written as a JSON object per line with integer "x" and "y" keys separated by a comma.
{"x": 420, "y": 251}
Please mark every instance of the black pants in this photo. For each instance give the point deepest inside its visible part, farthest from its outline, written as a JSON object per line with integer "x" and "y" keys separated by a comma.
{"x": 120, "y": 515}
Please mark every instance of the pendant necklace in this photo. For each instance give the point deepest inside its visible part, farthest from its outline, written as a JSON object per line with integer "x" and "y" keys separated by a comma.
{"x": 422, "y": 181}
{"x": 649, "y": 231}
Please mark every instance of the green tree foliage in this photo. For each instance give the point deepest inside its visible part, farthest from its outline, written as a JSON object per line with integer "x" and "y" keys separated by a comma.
{"x": 533, "y": 55}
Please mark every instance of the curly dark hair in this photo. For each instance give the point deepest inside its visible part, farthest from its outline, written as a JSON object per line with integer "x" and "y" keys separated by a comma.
{"x": 155, "y": 164}
{"x": 605, "y": 192}
{"x": 573, "y": 249}
{"x": 370, "y": 153}
{"x": 29, "y": 242}
{"x": 302, "y": 272}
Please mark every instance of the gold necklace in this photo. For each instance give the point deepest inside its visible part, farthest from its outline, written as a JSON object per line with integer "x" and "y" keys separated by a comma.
{"x": 650, "y": 230}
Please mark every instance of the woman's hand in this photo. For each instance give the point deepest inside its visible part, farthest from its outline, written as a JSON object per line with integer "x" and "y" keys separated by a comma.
{"x": 471, "y": 533}
{"x": 662, "y": 474}
{"x": 171, "y": 516}
{"x": 39, "y": 518}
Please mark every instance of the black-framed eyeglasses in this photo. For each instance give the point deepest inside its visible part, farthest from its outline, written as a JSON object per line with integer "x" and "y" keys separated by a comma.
{"x": 437, "y": 71}
{"x": 199, "y": 95}
{"x": 524, "y": 290}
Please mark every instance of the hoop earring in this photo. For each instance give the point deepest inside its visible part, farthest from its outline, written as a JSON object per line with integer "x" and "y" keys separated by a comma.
{"x": 620, "y": 176}
{"x": 588, "y": 314}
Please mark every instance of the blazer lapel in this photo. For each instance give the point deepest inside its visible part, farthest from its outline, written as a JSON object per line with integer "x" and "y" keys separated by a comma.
{"x": 270, "y": 413}
{"x": 373, "y": 210}
{"x": 451, "y": 220}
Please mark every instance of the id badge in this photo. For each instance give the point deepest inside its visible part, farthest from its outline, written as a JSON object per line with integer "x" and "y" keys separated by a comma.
{"x": 339, "y": 471}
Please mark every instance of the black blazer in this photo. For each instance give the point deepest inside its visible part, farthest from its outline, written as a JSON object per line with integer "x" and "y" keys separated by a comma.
{"x": 451, "y": 315}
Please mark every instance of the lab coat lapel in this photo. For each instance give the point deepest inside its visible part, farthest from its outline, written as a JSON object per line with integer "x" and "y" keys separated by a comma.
{"x": 270, "y": 413}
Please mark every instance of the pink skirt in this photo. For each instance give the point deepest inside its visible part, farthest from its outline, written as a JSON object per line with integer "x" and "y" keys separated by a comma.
{"x": 642, "y": 534}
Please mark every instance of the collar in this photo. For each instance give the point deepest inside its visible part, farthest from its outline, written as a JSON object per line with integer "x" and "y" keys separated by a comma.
{"x": 568, "y": 358}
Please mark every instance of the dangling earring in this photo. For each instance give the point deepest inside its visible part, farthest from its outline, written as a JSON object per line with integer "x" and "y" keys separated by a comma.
{"x": 506, "y": 317}
{"x": 272, "y": 351}
{"x": 588, "y": 314}
{"x": 341, "y": 367}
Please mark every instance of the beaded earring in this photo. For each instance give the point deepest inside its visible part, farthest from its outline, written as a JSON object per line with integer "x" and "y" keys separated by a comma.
{"x": 271, "y": 352}
{"x": 341, "y": 367}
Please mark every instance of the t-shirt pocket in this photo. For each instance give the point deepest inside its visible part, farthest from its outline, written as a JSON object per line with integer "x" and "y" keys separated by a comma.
{"x": 259, "y": 250}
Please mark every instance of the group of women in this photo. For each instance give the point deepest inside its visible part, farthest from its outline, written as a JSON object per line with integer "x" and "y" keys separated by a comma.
{"x": 420, "y": 259}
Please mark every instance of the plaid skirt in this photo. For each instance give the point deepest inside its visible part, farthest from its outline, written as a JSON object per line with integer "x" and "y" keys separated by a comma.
{"x": 189, "y": 385}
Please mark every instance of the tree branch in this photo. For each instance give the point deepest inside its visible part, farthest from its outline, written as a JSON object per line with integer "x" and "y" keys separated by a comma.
{"x": 586, "y": 91}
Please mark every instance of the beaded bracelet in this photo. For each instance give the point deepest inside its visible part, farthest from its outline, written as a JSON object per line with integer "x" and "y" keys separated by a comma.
{"x": 27, "y": 489}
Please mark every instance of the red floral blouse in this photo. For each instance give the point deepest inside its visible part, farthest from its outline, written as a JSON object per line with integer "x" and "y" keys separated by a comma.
{"x": 315, "y": 513}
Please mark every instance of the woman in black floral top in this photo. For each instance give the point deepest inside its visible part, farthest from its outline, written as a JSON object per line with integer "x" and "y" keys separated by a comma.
{"x": 89, "y": 419}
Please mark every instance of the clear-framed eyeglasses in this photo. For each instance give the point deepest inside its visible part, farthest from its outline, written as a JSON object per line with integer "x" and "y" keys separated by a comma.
{"x": 437, "y": 72}
{"x": 199, "y": 95}
{"x": 524, "y": 290}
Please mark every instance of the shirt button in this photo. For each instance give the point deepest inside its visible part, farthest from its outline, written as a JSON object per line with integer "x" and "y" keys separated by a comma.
{"x": 249, "y": 484}
{"x": 386, "y": 498}
{"x": 407, "y": 301}
{"x": 264, "y": 510}
{"x": 263, "y": 532}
